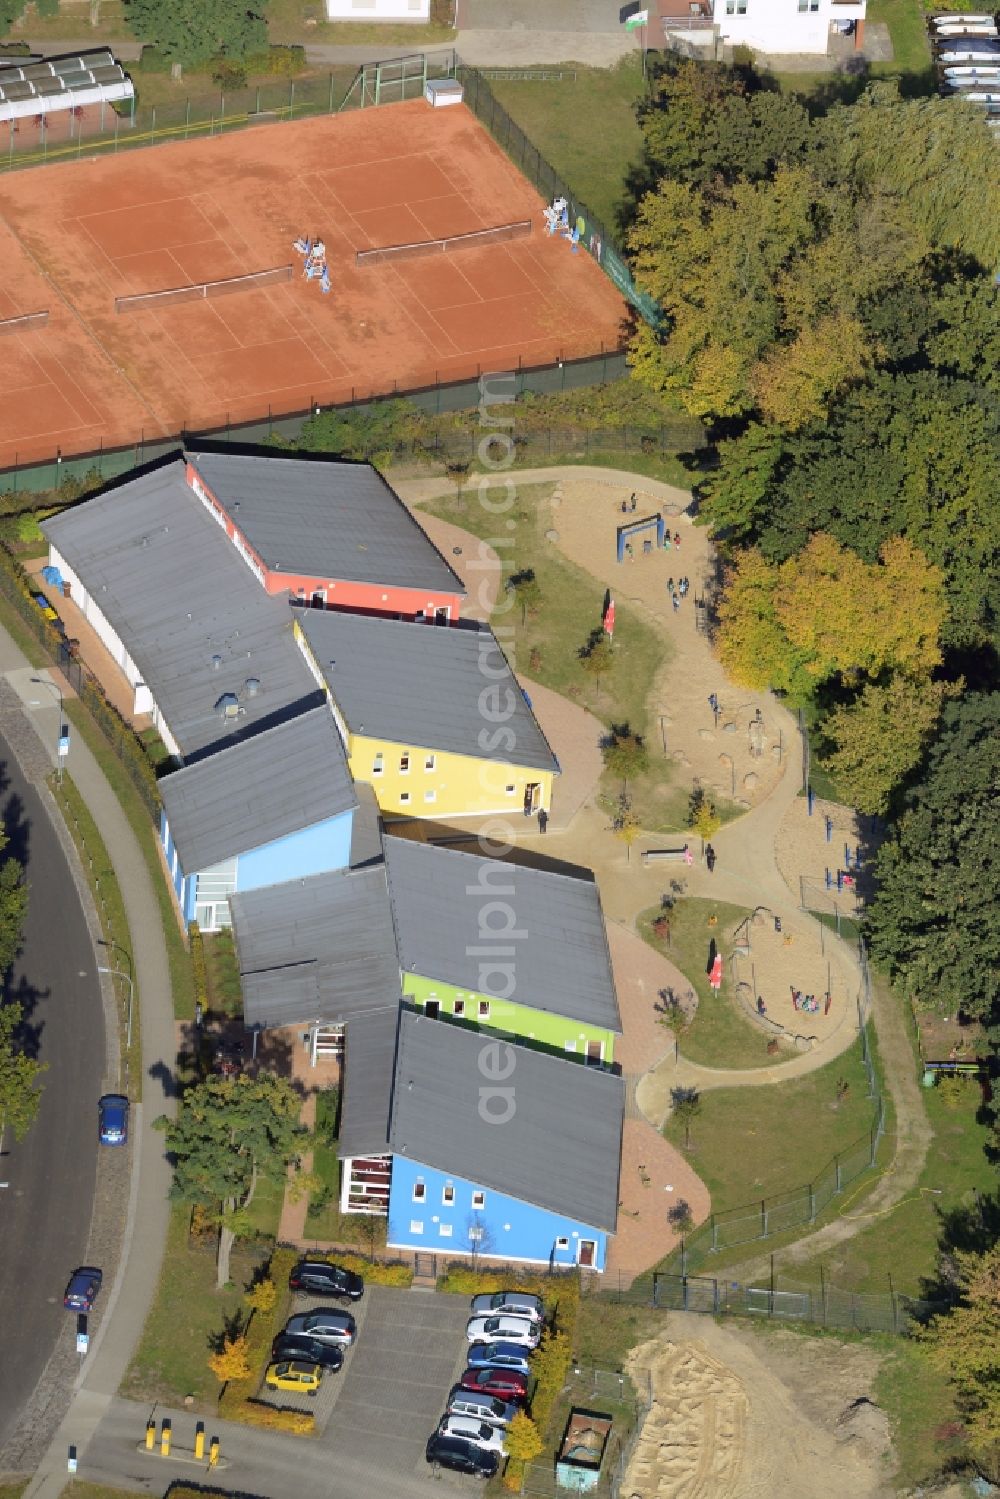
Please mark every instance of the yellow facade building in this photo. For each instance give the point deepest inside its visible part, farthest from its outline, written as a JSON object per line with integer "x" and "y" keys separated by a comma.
{"x": 431, "y": 716}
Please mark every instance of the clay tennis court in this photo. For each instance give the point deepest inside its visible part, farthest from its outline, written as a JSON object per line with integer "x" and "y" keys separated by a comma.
{"x": 73, "y": 237}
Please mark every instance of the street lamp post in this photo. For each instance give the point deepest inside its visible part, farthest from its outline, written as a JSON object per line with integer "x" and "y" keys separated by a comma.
{"x": 118, "y": 973}
{"x": 62, "y": 734}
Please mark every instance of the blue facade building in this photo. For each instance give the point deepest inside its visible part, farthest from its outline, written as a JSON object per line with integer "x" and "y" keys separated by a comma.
{"x": 264, "y": 810}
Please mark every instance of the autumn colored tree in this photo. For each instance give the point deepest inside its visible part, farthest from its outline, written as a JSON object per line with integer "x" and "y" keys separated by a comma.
{"x": 626, "y": 824}
{"x": 597, "y": 658}
{"x": 881, "y": 736}
{"x": 523, "y": 1442}
{"x": 262, "y": 1296}
{"x": 685, "y": 1106}
{"x": 752, "y": 645}
{"x": 703, "y": 815}
{"x": 963, "y": 1344}
{"x": 231, "y": 1361}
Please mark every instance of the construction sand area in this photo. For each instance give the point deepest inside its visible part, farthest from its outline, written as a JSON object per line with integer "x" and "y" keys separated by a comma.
{"x": 744, "y": 1414}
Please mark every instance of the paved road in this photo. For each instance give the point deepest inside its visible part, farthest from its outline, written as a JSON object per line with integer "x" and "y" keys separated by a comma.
{"x": 46, "y": 1209}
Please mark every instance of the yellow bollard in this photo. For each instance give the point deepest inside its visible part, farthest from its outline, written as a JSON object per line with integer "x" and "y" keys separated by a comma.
{"x": 165, "y": 1439}
{"x": 213, "y": 1453}
{"x": 199, "y": 1440}
{"x": 150, "y": 1434}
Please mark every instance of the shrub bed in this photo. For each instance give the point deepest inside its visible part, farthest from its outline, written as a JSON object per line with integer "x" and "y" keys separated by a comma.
{"x": 237, "y": 1401}
{"x": 376, "y": 1273}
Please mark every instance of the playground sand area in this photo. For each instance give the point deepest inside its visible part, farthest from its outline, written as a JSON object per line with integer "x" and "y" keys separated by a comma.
{"x": 739, "y": 1414}
{"x": 809, "y": 861}
{"x": 75, "y": 236}
{"x": 735, "y": 756}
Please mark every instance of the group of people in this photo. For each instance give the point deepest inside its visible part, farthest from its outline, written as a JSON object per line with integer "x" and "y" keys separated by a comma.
{"x": 804, "y": 1002}
{"x": 677, "y": 591}
{"x": 315, "y": 267}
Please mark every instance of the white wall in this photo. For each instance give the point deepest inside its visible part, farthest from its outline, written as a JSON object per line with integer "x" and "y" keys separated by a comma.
{"x": 780, "y": 25}
{"x": 378, "y": 10}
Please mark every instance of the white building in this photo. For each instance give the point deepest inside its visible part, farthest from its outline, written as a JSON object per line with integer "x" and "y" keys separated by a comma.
{"x": 771, "y": 26}
{"x": 378, "y": 10}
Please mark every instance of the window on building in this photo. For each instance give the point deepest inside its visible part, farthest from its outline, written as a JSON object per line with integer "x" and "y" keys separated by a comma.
{"x": 447, "y": 1195}
{"x": 807, "y": 5}
{"x": 430, "y": 762}
{"x": 569, "y": 1046}
{"x": 479, "y": 1199}
{"x": 377, "y": 764}
{"x": 484, "y": 1009}
{"x": 419, "y": 1190}
{"x": 459, "y": 1007}
{"x": 510, "y": 790}
{"x": 416, "y": 1226}
{"x": 562, "y": 1243}
{"x": 404, "y": 764}
{"x": 432, "y": 1009}
{"x": 736, "y": 7}
{"x": 430, "y": 796}
{"x": 475, "y": 1235}
{"x": 445, "y": 1230}
{"x": 404, "y": 797}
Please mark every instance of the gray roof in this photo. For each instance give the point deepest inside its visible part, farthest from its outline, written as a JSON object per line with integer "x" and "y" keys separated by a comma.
{"x": 257, "y": 790}
{"x": 320, "y": 948}
{"x": 560, "y": 961}
{"x": 369, "y": 1066}
{"x": 421, "y": 685}
{"x": 560, "y": 1148}
{"x": 325, "y": 518}
{"x": 366, "y": 829}
{"x": 192, "y": 616}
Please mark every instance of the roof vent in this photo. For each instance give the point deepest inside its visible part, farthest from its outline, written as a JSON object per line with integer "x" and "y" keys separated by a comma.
{"x": 251, "y": 686}
{"x": 228, "y": 705}
{"x": 216, "y": 662}
{"x": 236, "y": 504}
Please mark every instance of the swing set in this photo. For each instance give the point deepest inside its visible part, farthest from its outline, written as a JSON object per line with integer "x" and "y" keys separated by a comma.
{"x": 633, "y": 527}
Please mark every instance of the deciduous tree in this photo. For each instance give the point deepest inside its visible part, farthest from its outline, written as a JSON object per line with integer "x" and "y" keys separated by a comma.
{"x": 230, "y": 1133}
{"x": 625, "y": 753}
{"x": 19, "y": 1074}
{"x": 193, "y": 31}
{"x": 963, "y": 1344}
{"x": 597, "y": 658}
{"x": 231, "y": 1361}
{"x": 880, "y": 738}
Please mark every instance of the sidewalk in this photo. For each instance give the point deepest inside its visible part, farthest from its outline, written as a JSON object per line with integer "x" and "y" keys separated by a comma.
{"x": 128, "y": 1300}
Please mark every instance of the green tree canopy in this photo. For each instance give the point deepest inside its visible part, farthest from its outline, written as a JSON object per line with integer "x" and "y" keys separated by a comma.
{"x": 193, "y": 31}
{"x": 19, "y": 1074}
{"x": 230, "y": 1132}
{"x": 880, "y": 737}
{"x": 625, "y": 753}
{"x": 965, "y": 1345}
{"x": 933, "y": 919}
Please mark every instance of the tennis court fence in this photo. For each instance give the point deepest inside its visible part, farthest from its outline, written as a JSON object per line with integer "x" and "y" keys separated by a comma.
{"x": 471, "y": 241}
{"x": 199, "y": 289}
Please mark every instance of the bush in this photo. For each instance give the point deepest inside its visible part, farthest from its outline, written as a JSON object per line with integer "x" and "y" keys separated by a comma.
{"x": 228, "y": 74}
{"x": 198, "y": 970}
{"x": 151, "y": 61}
{"x": 279, "y": 62}
{"x": 296, "y": 1423}
{"x": 395, "y": 1273}
{"x": 237, "y": 1400}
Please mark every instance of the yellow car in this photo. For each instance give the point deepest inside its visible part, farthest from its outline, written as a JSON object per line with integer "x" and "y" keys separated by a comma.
{"x": 301, "y": 1379}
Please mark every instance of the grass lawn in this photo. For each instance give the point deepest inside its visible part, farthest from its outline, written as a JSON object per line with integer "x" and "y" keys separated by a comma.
{"x": 225, "y": 993}
{"x": 265, "y": 1210}
{"x": 752, "y": 1143}
{"x": 720, "y": 1036}
{"x": 606, "y": 1330}
{"x": 903, "y": 1242}
{"x": 73, "y": 23}
{"x": 187, "y": 1315}
{"x": 586, "y": 130}
{"x": 921, "y": 1408}
{"x": 546, "y": 645}
{"x": 906, "y": 20}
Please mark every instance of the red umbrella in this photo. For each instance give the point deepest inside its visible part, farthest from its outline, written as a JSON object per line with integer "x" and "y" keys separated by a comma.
{"x": 609, "y": 618}
{"x": 715, "y": 977}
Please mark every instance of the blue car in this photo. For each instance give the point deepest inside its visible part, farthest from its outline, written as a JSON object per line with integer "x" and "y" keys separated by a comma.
{"x": 81, "y": 1293}
{"x": 112, "y": 1115}
{"x": 498, "y": 1356}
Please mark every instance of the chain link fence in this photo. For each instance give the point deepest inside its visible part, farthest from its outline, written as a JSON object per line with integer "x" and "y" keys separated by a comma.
{"x": 827, "y": 1306}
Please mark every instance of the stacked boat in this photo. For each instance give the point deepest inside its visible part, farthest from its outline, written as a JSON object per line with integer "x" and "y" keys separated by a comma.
{"x": 967, "y": 52}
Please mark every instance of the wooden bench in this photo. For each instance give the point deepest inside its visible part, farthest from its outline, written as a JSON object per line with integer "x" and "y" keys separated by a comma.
{"x": 659, "y": 855}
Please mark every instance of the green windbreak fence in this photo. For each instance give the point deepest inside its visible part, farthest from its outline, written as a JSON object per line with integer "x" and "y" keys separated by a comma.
{"x": 526, "y": 156}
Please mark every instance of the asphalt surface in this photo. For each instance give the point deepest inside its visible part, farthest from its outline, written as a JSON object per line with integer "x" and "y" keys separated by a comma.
{"x": 45, "y": 1209}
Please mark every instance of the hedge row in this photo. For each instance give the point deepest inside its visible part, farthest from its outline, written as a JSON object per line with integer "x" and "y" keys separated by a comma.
{"x": 199, "y": 972}
{"x": 237, "y": 1402}
{"x": 376, "y": 1273}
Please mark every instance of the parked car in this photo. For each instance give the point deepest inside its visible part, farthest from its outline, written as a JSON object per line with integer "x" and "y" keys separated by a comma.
{"x": 294, "y": 1345}
{"x": 480, "y": 1406}
{"x": 112, "y": 1119}
{"x": 326, "y": 1325}
{"x": 510, "y": 1304}
{"x": 479, "y": 1432}
{"x": 462, "y": 1456}
{"x": 320, "y": 1278}
{"x": 84, "y": 1284}
{"x": 503, "y": 1330}
{"x": 499, "y": 1356}
{"x": 506, "y": 1384}
{"x": 298, "y": 1378}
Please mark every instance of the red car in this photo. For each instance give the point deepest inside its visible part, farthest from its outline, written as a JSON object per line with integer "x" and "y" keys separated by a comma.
{"x": 506, "y": 1384}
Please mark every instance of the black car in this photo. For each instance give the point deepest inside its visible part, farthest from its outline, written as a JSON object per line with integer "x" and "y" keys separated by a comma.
{"x": 462, "y": 1456}
{"x": 320, "y": 1278}
{"x": 291, "y": 1345}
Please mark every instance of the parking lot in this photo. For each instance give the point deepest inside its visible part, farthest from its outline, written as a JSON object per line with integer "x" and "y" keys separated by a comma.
{"x": 410, "y": 1350}
{"x": 321, "y": 1405}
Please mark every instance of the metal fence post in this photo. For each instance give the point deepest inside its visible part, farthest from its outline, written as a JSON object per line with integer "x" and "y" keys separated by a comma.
{"x": 763, "y": 1217}
{"x": 812, "y": 1202}
{"x": 836, "y": 1162}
